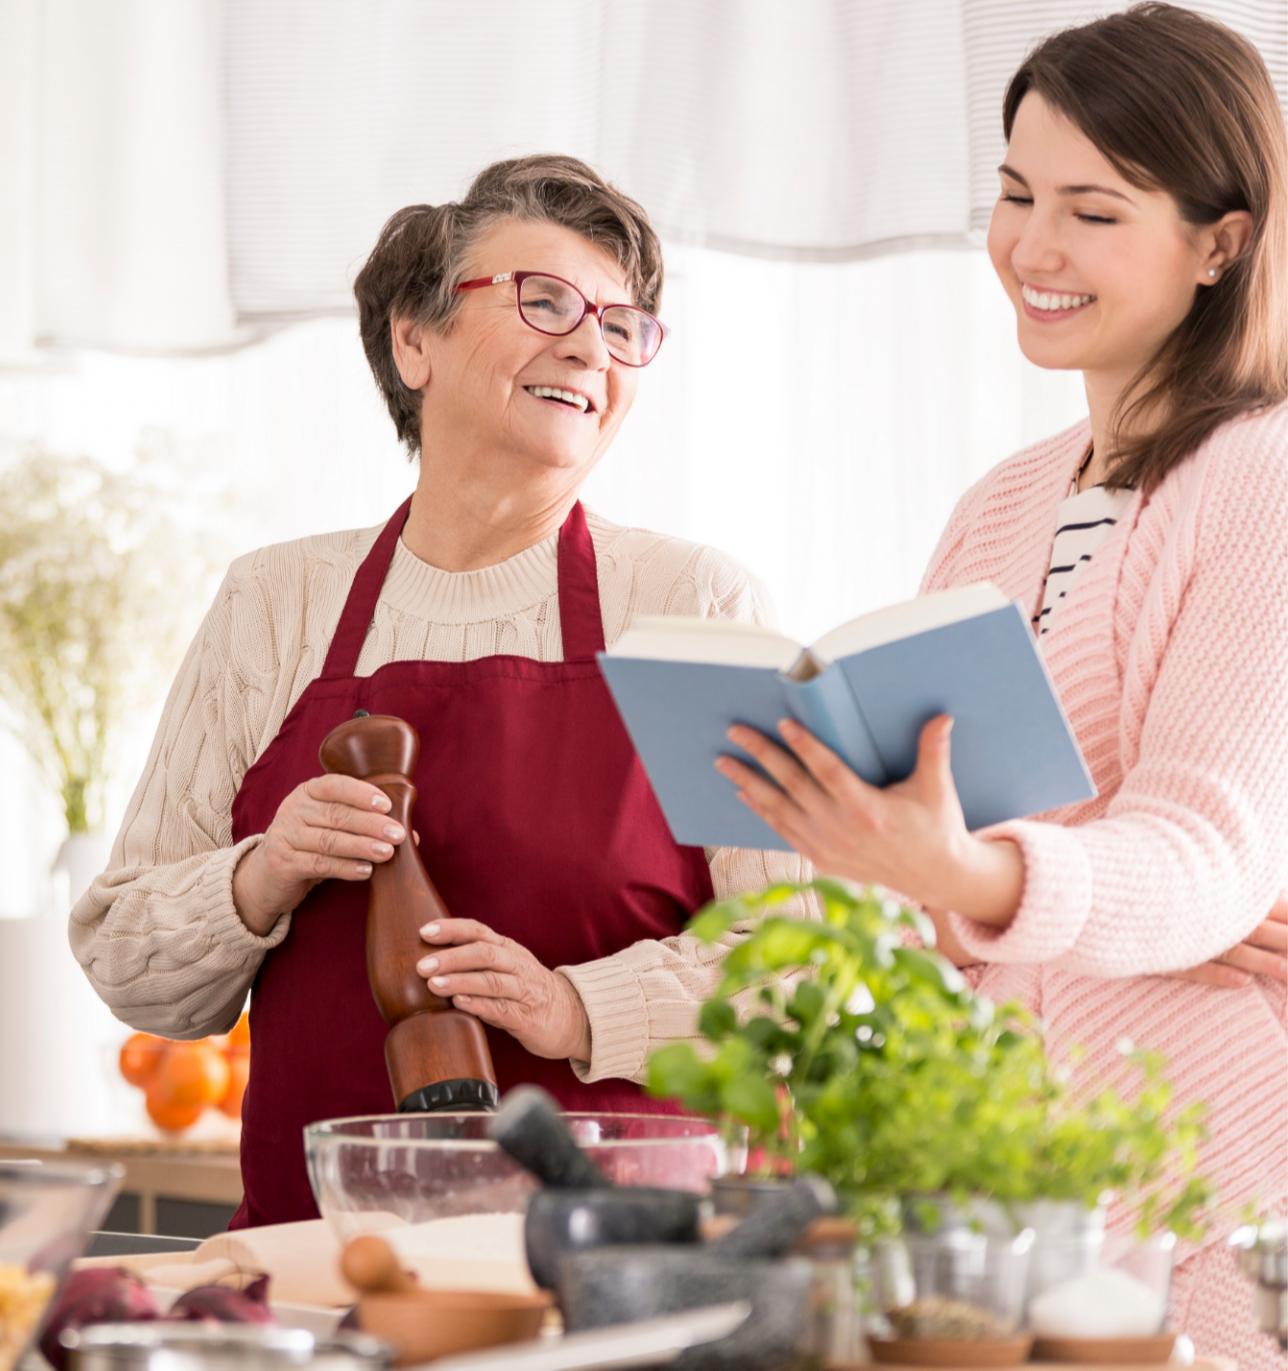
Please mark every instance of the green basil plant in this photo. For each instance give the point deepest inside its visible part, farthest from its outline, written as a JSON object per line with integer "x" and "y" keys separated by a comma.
{"x": 873, "y": 1063}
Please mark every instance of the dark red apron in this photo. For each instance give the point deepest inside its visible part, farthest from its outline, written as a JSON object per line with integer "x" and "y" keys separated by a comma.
{"x": 535, "y": 817}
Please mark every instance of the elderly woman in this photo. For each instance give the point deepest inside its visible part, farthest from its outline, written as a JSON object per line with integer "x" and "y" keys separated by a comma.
{"x": 508, "y": 334}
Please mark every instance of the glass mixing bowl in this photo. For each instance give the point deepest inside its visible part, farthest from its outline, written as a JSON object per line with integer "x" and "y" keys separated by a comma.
{"x": 47, "y": 1213}
{"x": 379, "y": 1173}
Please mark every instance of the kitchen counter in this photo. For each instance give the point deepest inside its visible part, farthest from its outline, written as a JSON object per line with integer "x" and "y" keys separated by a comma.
{"x": 183, "y": 1190}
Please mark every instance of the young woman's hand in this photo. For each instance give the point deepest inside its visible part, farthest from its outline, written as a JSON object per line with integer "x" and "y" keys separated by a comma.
{"x": 502, "y": 983}
{"x": 1264, "y": 952}
{"x": 910, "y": 837}
{"x": 330, "y": 827}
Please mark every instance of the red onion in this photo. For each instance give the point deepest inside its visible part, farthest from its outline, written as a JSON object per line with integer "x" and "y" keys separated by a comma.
{"x": 222, "y": 1304}
{"x": 100, "y": 1295}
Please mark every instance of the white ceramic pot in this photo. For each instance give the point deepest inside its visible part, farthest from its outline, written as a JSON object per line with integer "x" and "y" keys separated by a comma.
{"x": 57, "y": 1038}
{"x": 80, "y": 858}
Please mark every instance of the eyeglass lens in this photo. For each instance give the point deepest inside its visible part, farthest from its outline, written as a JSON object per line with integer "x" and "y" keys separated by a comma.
{"x": 553, "y": 306}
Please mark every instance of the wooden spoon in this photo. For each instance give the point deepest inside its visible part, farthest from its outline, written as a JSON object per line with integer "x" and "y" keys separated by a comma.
{"x": 423, "y": 1324}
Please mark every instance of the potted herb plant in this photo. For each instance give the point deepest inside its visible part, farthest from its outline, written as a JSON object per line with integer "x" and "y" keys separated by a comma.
{"x": 873, "y": 1063}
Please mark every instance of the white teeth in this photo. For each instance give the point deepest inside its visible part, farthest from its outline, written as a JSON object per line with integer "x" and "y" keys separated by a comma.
{"x": 554, "y": 393}
{"x": 1051, "y": 302}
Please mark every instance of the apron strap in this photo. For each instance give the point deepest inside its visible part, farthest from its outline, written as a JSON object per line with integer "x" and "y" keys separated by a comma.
{"x": 580, "y": 619}
{"x": 360, "y": 606}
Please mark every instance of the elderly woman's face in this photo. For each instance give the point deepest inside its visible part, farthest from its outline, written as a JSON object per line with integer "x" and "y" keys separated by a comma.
{"x": 484, "y": 372}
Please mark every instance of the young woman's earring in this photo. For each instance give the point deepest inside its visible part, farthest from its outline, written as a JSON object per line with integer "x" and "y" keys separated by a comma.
{"x": 1212, "y": 272}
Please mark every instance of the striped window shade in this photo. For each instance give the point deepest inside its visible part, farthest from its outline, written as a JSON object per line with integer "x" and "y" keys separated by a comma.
{"x": 824, "y": 130}
{"x": 183, "y": 174}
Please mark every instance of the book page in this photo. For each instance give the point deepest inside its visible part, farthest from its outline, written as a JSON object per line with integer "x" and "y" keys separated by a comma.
{"x": 903, "y": 621}
{"x": 674, "y": 638}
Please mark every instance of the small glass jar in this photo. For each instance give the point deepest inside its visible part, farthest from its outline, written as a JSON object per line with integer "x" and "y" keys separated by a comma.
{"x": 836, "y": 1328}
{"x": 1120, "y": 1290}
{"x": 1262, "y": 1253}
{"x": 955, "y": 1286}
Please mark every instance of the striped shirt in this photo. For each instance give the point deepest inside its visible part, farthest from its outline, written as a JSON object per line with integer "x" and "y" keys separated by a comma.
{"x": 1085, "y": 520}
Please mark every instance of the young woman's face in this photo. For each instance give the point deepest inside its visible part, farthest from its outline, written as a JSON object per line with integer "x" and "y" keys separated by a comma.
{"x": 1100, "y": 272}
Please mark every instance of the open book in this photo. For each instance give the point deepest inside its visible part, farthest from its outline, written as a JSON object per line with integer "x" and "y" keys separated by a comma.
{"x": 865, "y": 689}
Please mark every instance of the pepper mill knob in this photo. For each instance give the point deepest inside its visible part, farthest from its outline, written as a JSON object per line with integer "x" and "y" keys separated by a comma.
{"x": 371, "y": 745}
{"x": 437, "y": 1055}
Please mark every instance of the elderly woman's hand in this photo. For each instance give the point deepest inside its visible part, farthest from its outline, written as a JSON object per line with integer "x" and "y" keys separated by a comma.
{"x": 331, "y": 827}
{"x": 502, "y": 983}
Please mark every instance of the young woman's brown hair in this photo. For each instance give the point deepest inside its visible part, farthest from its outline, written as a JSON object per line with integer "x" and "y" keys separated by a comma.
{"x": 1179, "y": 103}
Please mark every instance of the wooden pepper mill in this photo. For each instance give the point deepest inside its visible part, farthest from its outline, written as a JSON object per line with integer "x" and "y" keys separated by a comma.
{"x": 437, "y": 1055}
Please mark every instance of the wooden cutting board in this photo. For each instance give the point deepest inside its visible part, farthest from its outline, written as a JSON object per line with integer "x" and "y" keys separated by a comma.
{"x": 154, "y": 1147}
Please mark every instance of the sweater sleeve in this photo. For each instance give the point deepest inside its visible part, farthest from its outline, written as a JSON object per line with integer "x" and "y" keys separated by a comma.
{"x": 650, "y": 993}
{"x": 157, "y": 933}
{"x": 1193, "y": 848}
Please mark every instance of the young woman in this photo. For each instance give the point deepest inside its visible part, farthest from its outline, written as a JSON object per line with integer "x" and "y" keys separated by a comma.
{"x": 1142, "y": 236}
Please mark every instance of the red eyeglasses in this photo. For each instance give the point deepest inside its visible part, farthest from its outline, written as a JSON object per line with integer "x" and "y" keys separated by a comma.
{"x": 556, "y": 307}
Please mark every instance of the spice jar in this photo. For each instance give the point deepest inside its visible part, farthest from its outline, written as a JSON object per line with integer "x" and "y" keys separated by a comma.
{"x": 1262, "y": 1254}
{"x": 836, "y": 1331}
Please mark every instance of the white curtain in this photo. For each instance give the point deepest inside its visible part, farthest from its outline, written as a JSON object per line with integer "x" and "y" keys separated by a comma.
{"x": 113, "y": 225}
{"x": 823, "y": 130}
{"x": 182, "y": 174}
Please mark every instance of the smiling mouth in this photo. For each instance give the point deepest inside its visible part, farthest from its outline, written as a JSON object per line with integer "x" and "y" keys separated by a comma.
{"x": 1053, "y": 302}
{"x": 570, "y": 398}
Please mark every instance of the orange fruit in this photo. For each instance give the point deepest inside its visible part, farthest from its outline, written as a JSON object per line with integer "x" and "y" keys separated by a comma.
{"x": 191, "y": 1074}
{"x": 174, "y": 1118}
{"x": 140, "y": 1056}
{"x": 240, "y": 1035}
{"x": 238, "y": 1075}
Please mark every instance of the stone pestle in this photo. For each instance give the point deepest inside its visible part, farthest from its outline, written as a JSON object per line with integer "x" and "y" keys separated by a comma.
{"x": 578, "y": 1207}
{"x": 529, "y": 1127}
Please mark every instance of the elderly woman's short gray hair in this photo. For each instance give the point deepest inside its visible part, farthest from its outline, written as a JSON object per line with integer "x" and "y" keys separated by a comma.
{"x": 423, "y": 254}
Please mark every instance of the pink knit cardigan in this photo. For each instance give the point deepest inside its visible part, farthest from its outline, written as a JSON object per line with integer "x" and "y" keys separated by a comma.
{"x": 1170, "y": 655}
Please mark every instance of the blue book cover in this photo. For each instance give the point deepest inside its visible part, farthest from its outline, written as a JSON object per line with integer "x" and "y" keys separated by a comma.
{"x": 680, "y": 685}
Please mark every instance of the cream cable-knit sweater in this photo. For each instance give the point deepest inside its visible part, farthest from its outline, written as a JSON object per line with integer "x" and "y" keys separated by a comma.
{"x": 1170, "y": 654}
{"x": 157, "y": 932}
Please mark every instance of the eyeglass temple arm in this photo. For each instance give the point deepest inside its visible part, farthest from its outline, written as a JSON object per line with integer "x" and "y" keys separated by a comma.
{"x": 486, "y": 281}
